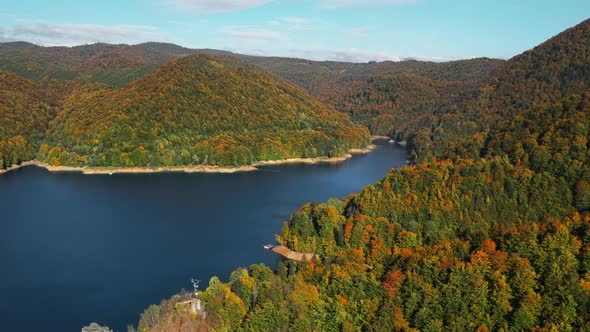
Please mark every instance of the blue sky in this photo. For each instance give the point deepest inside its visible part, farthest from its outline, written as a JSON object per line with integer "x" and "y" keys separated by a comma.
{"x": 347, "y": 30}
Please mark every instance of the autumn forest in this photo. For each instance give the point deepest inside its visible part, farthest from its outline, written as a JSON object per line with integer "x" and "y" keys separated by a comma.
{"x": 487, "y": 230}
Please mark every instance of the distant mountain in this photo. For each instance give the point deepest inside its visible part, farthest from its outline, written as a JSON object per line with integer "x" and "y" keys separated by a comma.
{"x": 86, "y": 61}
{"x": 197, "y": 110}
{"x": 319, "y": 76}
{"x": 391, "y": 98}
{"x": 398, "y": 99}
{"x": 115, "y": 65}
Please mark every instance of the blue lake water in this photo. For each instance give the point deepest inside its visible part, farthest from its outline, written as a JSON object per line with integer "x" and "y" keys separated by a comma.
{"x": 80, "y": 248}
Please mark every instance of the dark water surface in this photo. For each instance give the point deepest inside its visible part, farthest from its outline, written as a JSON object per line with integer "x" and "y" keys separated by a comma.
{"x": 79, "y": 248}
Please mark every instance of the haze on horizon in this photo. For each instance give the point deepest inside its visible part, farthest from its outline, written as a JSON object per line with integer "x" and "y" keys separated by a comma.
{"x": 339, "y": 30}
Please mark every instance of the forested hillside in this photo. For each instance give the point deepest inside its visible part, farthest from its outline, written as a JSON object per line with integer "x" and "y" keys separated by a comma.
{"x": 324, "y": 78}
{"x": 493, "y": 235}
{"x": 197, "y": 110}
{"x": 542, "y": 76}
{"x": 117, "y": 65}
{"x": 399, "y": 99}
{"x": 437, "y": 107}
{"x": 24, "y": 116}
{"x": 425, "y": 103}
{"x": 391, "y": 98}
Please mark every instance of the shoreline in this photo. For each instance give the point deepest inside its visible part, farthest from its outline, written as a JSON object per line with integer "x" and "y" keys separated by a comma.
{"x": 146, "y": 170}
{"x": 15, "y": 167}
{"x": 317, "y": 160}
{"x": 195, "y": 168}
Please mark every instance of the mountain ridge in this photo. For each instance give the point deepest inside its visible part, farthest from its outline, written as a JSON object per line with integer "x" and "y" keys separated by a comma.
{"x": 168, "y": 52}
{"x": 196, "y": 110}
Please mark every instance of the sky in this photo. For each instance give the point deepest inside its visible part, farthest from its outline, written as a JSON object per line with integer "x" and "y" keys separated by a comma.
{"x": 341, "y": 30}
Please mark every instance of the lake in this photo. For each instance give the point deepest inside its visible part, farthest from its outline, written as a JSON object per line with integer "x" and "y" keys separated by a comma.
{"x": 81, "y": 248}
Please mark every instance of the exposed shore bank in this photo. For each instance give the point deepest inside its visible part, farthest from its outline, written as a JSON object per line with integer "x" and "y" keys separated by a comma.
{"x": 131, "y": 170}
{"x": 192, "y": 168}
{"x": 13, "y": 167}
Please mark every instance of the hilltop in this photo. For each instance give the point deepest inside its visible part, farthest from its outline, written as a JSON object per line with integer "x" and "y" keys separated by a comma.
{"x": 539, "y": 77}
{"x": 196, "y": 110}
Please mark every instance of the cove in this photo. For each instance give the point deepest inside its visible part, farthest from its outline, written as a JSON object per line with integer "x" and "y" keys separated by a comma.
{"x": 80, "y": 248}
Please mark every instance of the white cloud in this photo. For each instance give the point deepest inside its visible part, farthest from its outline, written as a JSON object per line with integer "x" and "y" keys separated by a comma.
{"x": 294, "y": 20}
{"x": 358, "y": 31}
{"x": 434, "y": 58}
{"x": 215, "y": 6}
{"x": 294, "y": 23}
{"x": 344, "y": 55}
{"x": 356, "y": 55}
{"x": 340, "y": 55}
{"x": 77, "y": 34}
{"x": 274, "y": 23}
{"x": 332, "y": 4}
{"x": 359, "y": 56}
{"x": 256, "y": 52}
{"x": 253, "y": 33}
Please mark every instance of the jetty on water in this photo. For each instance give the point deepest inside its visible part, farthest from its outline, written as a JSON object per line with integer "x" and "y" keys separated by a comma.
{"x": 294, "y": 255}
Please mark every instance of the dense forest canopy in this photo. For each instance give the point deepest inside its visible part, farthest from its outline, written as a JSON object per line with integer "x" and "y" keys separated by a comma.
{"x": 540, "y": 77}
{"x": 197, "y": 110}
{"x": 193, "y": 111}
{"x": 390, "y": 98}
{"x": 24, "y": 116}
{"x": 115, "y": 65}
{"x": 406, "y": 100}
{"x": 489, "y": 230}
